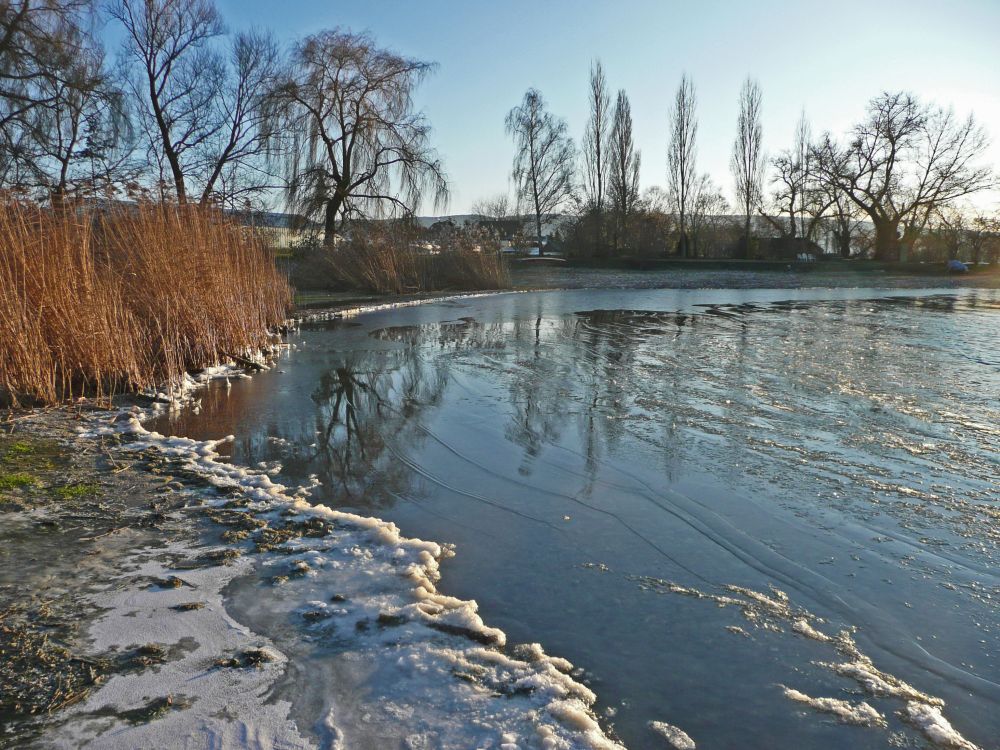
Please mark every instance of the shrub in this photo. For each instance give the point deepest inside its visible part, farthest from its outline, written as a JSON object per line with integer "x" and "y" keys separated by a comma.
{"x": 395, "y": 259}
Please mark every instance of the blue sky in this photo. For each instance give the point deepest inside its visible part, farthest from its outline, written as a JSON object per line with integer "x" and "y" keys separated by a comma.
{"x": 829, "y": 58}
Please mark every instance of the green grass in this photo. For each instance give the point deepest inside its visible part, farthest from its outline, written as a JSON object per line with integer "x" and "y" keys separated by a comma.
{"x": 13, "y": 480}
{"x": 76, "y": 491}
{"x": 28, "y": 455}
{"x": 20, "y": 448}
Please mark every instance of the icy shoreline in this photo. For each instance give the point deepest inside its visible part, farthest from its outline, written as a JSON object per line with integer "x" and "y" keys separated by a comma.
{"x": 435, "y": 672}
{"x": 355, "y": 590}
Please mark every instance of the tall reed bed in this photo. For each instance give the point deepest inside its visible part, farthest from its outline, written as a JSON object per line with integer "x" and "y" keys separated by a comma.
{"x": 396, "y": 260}
{"x": 110, "y": 300}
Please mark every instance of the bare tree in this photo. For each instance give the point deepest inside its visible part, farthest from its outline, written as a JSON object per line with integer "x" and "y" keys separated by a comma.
{"x": 496, "y": 208}
{"x": 623, "y": 168}
{"x": 86, "y": 138}
{"x": 802, "y": 174}
{"x": 178, "y": 77}
{"x": 543, "y": 158}
{"x": 905, "y": 161}
{"x": 831, "y": 209}
{"x": 247, "y": 121}
{"x": 984, "y": 238}
{"x": 747, "y": 162}
{"x": 497, "y": 216}
{"x": 708, "y": 221}
{"x": 791, "y": 185}
{"x": 595, "y": 139}
{"x": 681, "y": 154}
{"x": 361, "y": 148}
{"x": 40, "y": 43}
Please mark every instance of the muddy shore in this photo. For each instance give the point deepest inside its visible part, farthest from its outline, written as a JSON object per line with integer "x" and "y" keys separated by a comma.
{"x": 83, "y": 519}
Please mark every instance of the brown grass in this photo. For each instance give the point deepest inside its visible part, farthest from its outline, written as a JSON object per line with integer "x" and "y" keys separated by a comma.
{"x": 126, "y": 298}
{"x": 395, "y": 260}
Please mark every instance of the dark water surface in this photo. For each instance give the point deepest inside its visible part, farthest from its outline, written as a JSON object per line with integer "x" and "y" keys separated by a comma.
{"x": 584, "y": 449}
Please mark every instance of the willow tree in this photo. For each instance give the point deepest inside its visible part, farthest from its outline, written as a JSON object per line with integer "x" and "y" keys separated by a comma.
{"x": 85, "y": 135}
{"x": 40, "y": 40}
{"x": 361, "y": 148}
{"x": 543, "y": 159}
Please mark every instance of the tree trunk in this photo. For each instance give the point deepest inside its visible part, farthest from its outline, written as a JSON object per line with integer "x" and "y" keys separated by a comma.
{"x": 843, "y": 239}
{"x": 538, "y": 230}
{"x": 330, "y": 223}
{"x": 886, "y": 241}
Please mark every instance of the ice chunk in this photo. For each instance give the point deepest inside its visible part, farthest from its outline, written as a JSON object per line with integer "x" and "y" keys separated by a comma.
{"x": 677, "y": 737}
{"x": 859, "y": 714}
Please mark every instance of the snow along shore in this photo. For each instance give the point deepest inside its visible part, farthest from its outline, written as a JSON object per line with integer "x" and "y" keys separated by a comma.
{"x": 427, "y": 671}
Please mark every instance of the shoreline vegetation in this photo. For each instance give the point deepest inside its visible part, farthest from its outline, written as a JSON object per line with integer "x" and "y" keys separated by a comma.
{"x": 390, "y": 259}
{"x": 98, "y": 301}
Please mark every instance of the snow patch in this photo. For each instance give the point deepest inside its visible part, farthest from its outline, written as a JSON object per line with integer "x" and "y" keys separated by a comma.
{"x": 677, "y": 737}
{"x": 859, "y": 714}
{"x": 441, "y": 671}
{"x": 935, "y": 727}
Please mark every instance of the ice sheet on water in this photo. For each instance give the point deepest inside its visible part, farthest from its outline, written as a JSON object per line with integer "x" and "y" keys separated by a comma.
{"x": 436, "y": 672}
{"x": 772, "y": 610}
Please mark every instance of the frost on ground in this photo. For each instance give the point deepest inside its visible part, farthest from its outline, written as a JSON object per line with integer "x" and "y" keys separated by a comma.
{"x": 675, "y": 736}
{"x": 188, "y": 700}
{"x": 408, "y": 665}
{"x": 860, "y": 714}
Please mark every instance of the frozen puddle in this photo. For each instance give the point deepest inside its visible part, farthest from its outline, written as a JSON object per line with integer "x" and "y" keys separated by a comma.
{"x": 355, "y": 646}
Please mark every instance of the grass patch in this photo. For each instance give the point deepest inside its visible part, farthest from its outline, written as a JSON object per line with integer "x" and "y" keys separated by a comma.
{"x": 29, "y": 455}
{"x": 155, "y": 709}
{"x": 19, "y": 448}
{"x": 16, "y": 480}
{"x": 39, "y": 675}
{"x": 251, "y": 657}
{"x": 77, "y": 491}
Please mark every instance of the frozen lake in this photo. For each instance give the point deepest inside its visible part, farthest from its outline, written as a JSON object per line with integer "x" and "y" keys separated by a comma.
{"x": 714, "y": 502}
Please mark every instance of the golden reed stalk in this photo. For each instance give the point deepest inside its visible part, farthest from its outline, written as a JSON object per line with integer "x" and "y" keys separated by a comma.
{"x": 98, "y": 301}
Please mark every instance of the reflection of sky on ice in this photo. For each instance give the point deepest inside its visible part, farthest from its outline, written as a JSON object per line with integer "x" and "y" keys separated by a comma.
{"x": 590, "y": 451}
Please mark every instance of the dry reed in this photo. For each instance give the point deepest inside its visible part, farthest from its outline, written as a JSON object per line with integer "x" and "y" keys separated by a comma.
{"x": 127, "y": 297}
{"x": 395, "y": 260}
